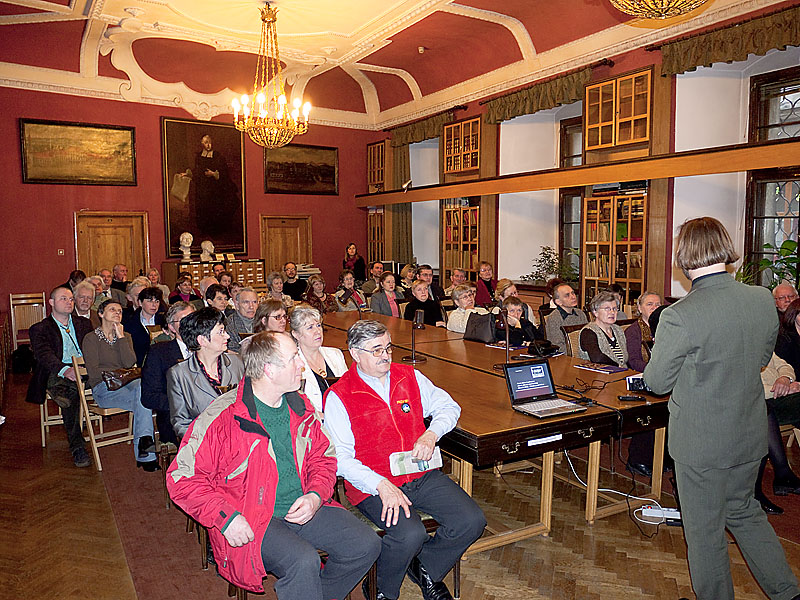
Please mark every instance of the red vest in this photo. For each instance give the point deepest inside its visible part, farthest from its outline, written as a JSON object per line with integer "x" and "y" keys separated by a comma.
{"x": 379, "y": 429}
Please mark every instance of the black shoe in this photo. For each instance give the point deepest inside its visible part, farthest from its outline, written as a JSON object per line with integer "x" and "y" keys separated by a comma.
{"x": 639, "y": 469}
{"x": 81, "y": 458}
{"x": 146, "y": 446}
{"x": 148, "y": 466}
{"x": 783, "y": 486}
{"x": 431, "y": 590}
{"x": 365, "y": 591}
{"x": 769, "y": 507}
{"x": 62, "y": 401}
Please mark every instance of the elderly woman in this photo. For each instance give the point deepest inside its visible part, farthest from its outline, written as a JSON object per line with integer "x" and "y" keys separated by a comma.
{"x": 638, "y": 337}
{"x": 183, "y": 291}
{"x": 506, "y": 289}
{"x": 109, "y": 348}
{"x": 320, "y": 362}
{"x": 209, "y": 371}
{"x": 603, "y": 341}
{"x": 464, "y": 299}
{"x": 316, "y": 296}
{"x": 347, "y": 283}
{"x": 270, "y": 316}
{"x": 384, "y": 301}
{"x": 275, "y": 289}
{"x": 521, "y": 332}
{"x": 421, "y": 300}
{"x": 155, "y": 281}
{"x": 407, "y": 277}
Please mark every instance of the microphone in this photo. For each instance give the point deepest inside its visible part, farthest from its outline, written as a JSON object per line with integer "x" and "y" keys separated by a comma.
{"x": 346, "y": 297}
{"x": 419, "y": 319}
{"x": 417, "y": 323}
{"x": 502, "y": 324}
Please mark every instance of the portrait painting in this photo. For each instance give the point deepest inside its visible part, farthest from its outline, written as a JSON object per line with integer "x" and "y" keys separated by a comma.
{"x": 301, "y": 169}
{"x": 204, "y": 184}
{"x": 77, "y": 153}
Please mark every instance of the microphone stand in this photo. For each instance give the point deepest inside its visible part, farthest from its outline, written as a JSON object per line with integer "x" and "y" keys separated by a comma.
{"x": 503, "y": 325}
{"x": 345, "y": 299}
{"x": 413, "y": 359}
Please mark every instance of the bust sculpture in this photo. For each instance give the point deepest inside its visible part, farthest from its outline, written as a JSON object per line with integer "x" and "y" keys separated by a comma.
{"x": 186, "y": 240}
{"x": 207, "y": 248}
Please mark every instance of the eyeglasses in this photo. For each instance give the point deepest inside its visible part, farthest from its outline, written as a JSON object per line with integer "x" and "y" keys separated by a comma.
{"x": 378, "y": 352}
{"x": 609, "y": 308}
{"x": 278, "y": 317}
{"x": 792, "y": 297}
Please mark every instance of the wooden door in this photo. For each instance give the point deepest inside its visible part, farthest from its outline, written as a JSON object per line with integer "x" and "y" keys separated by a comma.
{"x": 103, "y": 239}
{"x": 284, "y": 239}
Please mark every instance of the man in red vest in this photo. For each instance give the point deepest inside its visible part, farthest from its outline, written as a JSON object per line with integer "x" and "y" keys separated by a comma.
{"x": 376, "y": 410}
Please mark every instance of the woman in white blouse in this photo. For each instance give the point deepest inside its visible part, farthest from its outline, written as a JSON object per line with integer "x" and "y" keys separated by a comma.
{"x": 320, "y": 363}
{"x": 464, "y": 298}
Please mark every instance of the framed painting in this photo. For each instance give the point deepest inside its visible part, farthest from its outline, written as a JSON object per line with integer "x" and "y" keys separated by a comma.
{"x": 300, "y": 169}
{"x": 77, "y": 153}
{"x": 204, "y": 185}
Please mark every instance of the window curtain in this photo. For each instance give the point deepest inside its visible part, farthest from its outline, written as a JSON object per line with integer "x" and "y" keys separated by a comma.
{"x": 401, "y": 248}
{"x": 420, "y": 130}
{"x": 758, "y": 36}
{"x": 541, "y": 96}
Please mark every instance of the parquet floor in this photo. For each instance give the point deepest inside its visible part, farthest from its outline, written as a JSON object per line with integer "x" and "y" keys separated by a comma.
{"x": 59, "y": 540}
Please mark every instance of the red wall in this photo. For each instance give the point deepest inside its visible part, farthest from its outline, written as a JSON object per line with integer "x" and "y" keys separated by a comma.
{"x": 38, "y": 219}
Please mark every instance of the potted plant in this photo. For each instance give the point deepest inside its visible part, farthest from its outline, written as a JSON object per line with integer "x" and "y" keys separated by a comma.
{"x": 549, "y": 264}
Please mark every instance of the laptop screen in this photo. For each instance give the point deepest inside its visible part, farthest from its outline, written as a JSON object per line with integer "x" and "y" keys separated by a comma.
{"x": 529, "y": 381}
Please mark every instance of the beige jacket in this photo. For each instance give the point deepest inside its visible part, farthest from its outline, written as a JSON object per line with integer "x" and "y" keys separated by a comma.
{"x": 777, "y": 367}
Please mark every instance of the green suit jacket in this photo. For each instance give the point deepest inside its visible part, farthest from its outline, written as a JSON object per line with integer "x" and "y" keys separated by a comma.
{"x": 710, "y": 347}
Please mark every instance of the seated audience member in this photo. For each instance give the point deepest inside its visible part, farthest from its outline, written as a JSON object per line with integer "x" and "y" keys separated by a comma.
{"x": 75, "y": 277}
{"x": 378, "y": 408}
{"x": 109, "y": 293}
{"x": 183, "y": 291}
{"x": 421, "y": 300}
{"x": 242, "y": 320}
{"x": 147, "y": 315}
{"x": 160, "y": 359}
{"x": 217, "y": 268}
{"x": 233, "y": 290}
{"x": 205, "y": 283}
{"x": 319, "y": 362}
{"x": 276, "y": 514}
{"x": 155, "y": 281}
{"x": 408, "y": 275}
{"x": 457, "y": 277}
{"x": 354, "y": 263}
{"x": 435, "y": 291}
{"x": 464, "y": 299}
{"x": 484, "y": 294}
{"x": 347, "y": 282}
{"x": 109, "y": 348}
{"x": 54, "y": 341}
{"x": 317, "y": 297}
{"x": 788, "y": 344}
{"x": 225, "y": 280}
{"x": 275, "y": 289}
{"x": 119, "y": 277}
{"x": 638, "y": 337}
{"x": 619, "y": 294}
{"x": 603, "y": 341}
{"x": 384, "y": 300}
{"x": 549, "y": 289}
{"x": 521, "y": 332}
{"x": 217, "y": 297}
{"x": 208, "y": 372}
{"x": 271, "y": 315}
{"x": 97, "y": 282}
{"x": 373, "y": 284}
{"x": 566, "y": 313}
{"x": 505, "y": 288}
{"x": 782, "y": 393}
{"x": 84, "y": 298}
{"x": 784, "y": 294}
{"x": 132, "y": 295}
{"x": 292, "y": 285}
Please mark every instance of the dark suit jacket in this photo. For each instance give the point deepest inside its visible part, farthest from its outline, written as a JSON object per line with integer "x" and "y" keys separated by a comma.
{"x": 139, "y": 334}
{"x": 93, "y": 317}
{"x": 160, "y": 359}
{"x": 48, "y": 348}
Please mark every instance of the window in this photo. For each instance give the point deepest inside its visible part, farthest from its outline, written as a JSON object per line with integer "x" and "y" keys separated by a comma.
{"x": 775, "y": 105}
{"x": 570, "y": 200}
{"x": 571, "y": 143}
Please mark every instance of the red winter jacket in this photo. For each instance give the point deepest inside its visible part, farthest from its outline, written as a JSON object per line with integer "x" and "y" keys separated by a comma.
{"x": 225, "y": 465}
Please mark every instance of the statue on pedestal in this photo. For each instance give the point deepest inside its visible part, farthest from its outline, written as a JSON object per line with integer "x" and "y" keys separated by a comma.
{"x": 207, "y": 251}
{"x": 186, "y": 240}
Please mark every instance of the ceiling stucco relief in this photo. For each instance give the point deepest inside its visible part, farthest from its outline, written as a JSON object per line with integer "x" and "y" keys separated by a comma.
{"x": 515, "y": 26}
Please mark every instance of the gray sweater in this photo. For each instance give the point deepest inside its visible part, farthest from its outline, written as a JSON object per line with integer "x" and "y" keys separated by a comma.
{"x": 555, "y": 320}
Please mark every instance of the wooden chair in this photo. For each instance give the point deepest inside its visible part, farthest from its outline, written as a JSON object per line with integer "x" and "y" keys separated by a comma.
{"x": 26, "y": 310}
{"x": 793, "y": 434}
{"x": 572, "y": 334}
{"x": 89, "y": 408}
{"x": 48, "y": 419}
{"x": 544, "y": 310}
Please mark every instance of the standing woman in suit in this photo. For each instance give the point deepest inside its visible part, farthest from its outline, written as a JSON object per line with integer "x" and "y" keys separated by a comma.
{"x": 320, "y": 362}
{"x": 711, "y": 347}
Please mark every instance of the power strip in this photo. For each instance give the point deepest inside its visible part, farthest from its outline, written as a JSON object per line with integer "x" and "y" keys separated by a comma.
{"x": 654, "y": 512}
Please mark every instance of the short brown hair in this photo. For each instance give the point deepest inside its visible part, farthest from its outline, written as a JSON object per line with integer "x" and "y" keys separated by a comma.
{"x": 262, "y": 349}
{"x": 501, "y": 287}
{"x": 703, "y": 242}
{"x": 265, "y": 309}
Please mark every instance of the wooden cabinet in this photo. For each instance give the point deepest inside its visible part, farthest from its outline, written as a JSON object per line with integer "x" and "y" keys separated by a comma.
{"x": 462, "y": 142}
{"x": 614, "y": 244}
{"x": 617, "y": 112}
{"x": 376, "y": 167}
{"x": 375, "y": 234}
{"x": 460, "y": 237}
{"x": 248, "y": 272}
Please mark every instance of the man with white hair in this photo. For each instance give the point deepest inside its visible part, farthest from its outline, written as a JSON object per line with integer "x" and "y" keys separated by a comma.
{"x": 242, "y": 320}
{"x": 784, "y": 293}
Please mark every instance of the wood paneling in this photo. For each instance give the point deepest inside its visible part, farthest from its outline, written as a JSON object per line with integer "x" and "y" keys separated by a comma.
{"x": 103, "y": 239}
{"x": 284, "y": 239}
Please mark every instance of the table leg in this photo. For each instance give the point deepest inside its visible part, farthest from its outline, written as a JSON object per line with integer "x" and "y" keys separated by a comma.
{"x": 593, "y": 480}
{"x": 465, "y": 477}
{"x": 658, "y": 463}
{"x": 546, "y": 500}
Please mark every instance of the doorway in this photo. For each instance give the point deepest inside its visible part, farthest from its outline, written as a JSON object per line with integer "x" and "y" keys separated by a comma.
{"x": 103, "y": 239}
{"x": 284, "y": 239}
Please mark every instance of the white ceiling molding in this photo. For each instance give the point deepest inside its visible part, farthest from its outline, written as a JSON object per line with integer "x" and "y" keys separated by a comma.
{"x": 409, "y": 80}
{"x": 515, "y": 26}
{"x": 368, "y": 91}
{"x": 93, "y": 36}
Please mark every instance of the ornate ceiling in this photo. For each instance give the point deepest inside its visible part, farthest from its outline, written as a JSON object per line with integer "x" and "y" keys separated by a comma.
{"x": 362, "y": 63}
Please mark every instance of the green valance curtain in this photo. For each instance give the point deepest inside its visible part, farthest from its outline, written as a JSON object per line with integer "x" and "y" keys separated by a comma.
{"x": 421, "y": 130}
{"x": 758, "y": 36}
{"x": 548, "y": 94}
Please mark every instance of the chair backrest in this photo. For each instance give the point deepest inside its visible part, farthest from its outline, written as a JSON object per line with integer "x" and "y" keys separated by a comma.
{"x": 625, "y": 323}
{"x": 572, "y": 334}
{"x": 26, "y": 310}
{"x": 80, "y": 377}
{"x": 544, "y": 310}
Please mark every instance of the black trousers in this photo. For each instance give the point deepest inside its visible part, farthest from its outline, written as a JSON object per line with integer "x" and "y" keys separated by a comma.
{"x": 461, "y": 523}
{"x": 62, "y": 387}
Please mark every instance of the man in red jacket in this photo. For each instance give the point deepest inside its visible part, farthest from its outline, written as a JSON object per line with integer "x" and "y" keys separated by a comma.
{"x": 375, "y": 411}
{"x": 257, "y": 469}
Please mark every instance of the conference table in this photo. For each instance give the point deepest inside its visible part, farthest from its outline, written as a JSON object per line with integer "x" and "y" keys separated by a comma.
{"x": 490, "y": 433}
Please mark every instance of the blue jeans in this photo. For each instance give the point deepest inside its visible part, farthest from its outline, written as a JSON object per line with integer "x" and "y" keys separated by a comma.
{"x": 129, "y": 398}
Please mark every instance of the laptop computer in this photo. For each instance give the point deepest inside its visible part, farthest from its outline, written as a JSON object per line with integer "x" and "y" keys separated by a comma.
{"x": 532, "y": 392}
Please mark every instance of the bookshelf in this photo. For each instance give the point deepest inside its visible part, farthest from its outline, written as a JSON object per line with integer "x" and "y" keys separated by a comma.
{"x": 462, "y": 142}
{"x": 617, "y": 111}
{"x": 376, "y": 168}
{"x": 614, "y": 244}
{"x": 460, "y": 237}
{"x": 375, "y": 234}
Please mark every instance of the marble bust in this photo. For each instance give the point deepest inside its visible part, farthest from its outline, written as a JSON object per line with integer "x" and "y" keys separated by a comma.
{"x": 207, "y": 247}
{"x": 186, "y": 240}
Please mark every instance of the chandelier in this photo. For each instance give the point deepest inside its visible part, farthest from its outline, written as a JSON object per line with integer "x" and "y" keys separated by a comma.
{"x": 266, "y": 118}
{"x": 656, "y": 9}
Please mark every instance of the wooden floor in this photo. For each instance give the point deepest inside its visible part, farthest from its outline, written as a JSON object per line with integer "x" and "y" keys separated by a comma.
{"x": 59, "y": 540}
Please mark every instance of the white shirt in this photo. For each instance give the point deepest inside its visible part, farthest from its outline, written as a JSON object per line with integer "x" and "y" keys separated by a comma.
{"x": 435, "y": 402}
{"x": 145, "y": 320}
{"x": 184, "y": 350}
